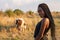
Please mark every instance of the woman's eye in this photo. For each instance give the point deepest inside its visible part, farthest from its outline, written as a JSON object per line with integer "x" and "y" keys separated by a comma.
{"x": 39, "y": 10}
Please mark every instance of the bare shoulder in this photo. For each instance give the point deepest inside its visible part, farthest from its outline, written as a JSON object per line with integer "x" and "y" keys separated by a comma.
{"x": 46, "y": 20}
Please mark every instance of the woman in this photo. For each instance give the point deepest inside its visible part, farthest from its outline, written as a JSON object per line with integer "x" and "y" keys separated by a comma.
{"x": 45, "y": 24}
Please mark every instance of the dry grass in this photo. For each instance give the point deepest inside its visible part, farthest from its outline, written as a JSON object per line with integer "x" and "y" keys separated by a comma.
{"x": 8, "y": 30}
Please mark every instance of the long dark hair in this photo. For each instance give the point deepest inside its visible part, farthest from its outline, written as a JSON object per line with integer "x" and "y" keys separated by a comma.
{"x": 48, "y": 15}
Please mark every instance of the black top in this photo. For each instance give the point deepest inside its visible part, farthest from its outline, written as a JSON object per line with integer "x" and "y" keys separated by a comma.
{"x": 38, "y": 26}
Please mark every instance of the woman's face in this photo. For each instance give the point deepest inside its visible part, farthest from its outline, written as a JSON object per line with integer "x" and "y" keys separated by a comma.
{"x": 41, "y": 12}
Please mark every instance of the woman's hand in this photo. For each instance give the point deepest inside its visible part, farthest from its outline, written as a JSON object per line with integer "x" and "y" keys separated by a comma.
{"x": 38, "y": 37}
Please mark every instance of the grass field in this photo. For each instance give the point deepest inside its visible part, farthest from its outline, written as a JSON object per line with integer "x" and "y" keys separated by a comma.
{"x": 8, "y": 30}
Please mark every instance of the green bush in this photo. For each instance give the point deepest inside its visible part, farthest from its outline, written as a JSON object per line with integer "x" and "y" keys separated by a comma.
{"x": 30, "y": 12}
{"x": 9, "y": 12}
{"x": 18, "y": 12}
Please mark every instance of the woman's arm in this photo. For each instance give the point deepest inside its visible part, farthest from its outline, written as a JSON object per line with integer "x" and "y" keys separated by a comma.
{"x": 44, "y": 25}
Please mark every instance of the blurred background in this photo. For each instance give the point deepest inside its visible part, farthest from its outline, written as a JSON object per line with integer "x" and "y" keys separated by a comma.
{"x": 26, "y": 9}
